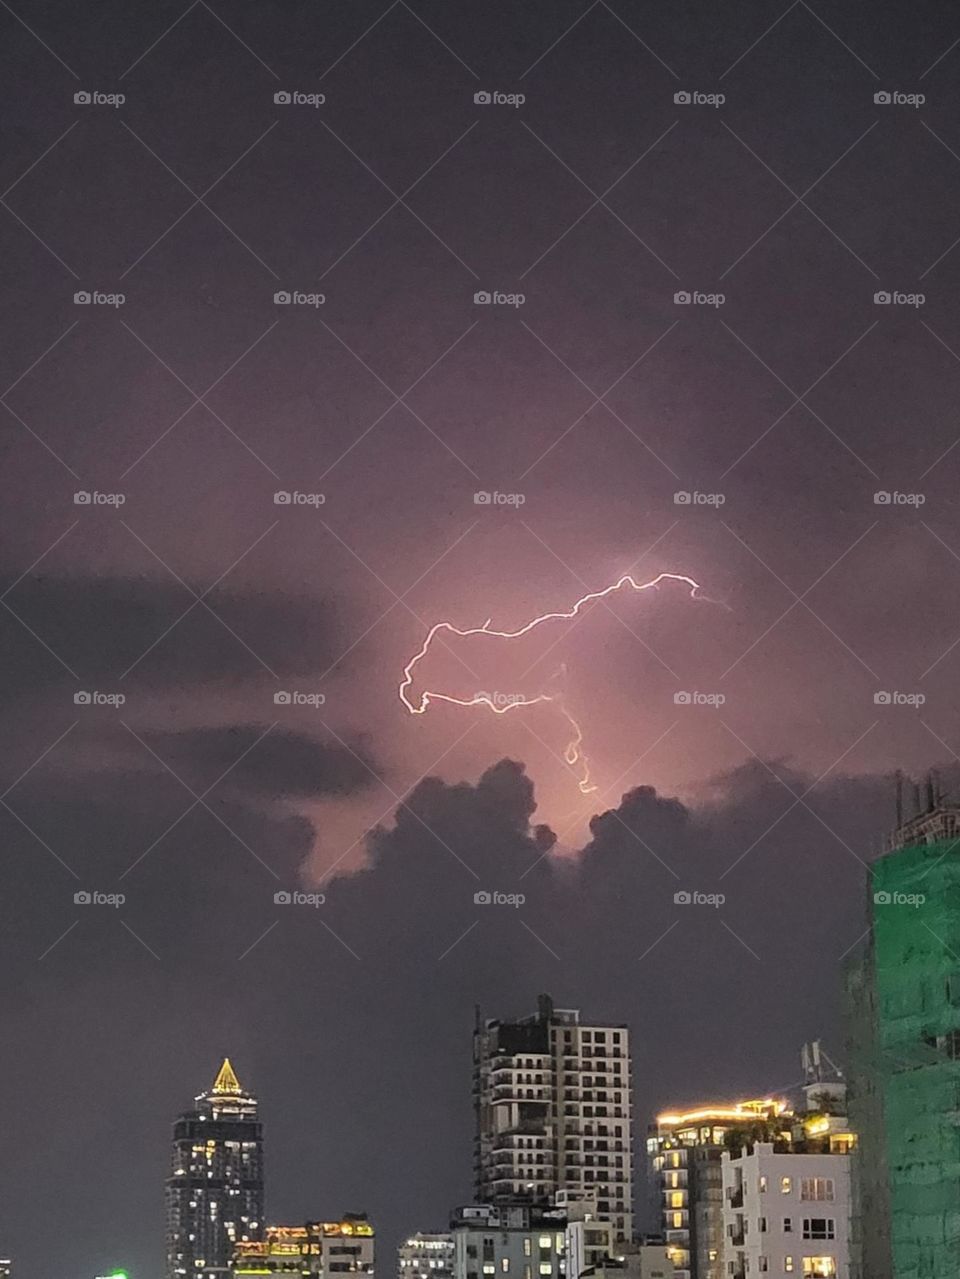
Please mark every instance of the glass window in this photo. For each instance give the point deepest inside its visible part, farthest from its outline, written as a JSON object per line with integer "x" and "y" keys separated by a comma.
{"x": 819, "y": 1268}
{"x": 819, "y": 1228}
{"x": 786, "y": 1185}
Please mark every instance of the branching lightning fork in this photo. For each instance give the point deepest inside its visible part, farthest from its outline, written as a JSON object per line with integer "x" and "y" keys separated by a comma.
{"x": 573, "y": 755}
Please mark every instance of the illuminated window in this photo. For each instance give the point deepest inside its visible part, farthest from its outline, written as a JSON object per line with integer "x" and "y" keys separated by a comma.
{"x": 545, "y": 1242}
{"x": 678, "y": 1221}
{"x": 504, "y": 1264}
{"x": 763, "y": 1184}
{"x": 676, "y": 1199}
{"x": 788, "y": 1265}
{"x": 786, "y": 1185}
{"x": 819, "y": 1268}
{"x": 527, "y": 1246}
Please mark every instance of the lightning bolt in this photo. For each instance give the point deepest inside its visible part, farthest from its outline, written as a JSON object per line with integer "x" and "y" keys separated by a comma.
{"x": 573, "y": 756}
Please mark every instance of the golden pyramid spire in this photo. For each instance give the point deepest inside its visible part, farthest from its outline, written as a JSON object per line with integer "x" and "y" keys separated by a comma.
{"x": 226, "y": 1081}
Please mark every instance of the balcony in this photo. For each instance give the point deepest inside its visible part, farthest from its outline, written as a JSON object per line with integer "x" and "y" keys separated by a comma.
{"x": 735, "y": 1197}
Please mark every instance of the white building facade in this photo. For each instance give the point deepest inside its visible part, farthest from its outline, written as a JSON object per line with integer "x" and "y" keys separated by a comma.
{"x": 786, "y": 1214}
{"x": 518, "y": 1242}
{"x": 426, "y": 1256}
{"x": 552, "y": 1097}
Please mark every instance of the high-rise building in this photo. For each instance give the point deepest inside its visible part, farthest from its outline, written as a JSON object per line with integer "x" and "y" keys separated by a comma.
{"x": 787, "y": 1206}
{"x": 215, "y": 1187}
{"x": 552, "y": 1096}
{"x": 517, "y": 1241}
{"x": 685, "y": 1149}
{"x": 315, "y": 1250}
{"x": 426, "y": 1257}
{"x": 903, "y": 996}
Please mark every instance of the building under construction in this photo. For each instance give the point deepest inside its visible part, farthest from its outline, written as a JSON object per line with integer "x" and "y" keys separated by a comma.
{"x": 903, "y": 996}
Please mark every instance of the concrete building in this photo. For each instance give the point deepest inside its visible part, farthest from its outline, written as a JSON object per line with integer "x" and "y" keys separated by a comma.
{"x": 642, "y": 1259}
{"x": 903, "y": 1018}
{"x": 215, "y": 1187}
{"x": 519, "y": 1241}
{"x": 426, "y": 1257}
{"x": 315, "y": 1250}
{"x": 685, "y": 1149}
{"x": 552, "y": 1098}
{"x": 786, "y": 1213}
{"x": 589, "y": 1241}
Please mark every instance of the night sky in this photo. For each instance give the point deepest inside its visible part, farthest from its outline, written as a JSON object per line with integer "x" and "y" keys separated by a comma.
{"x": 784, "y": 409}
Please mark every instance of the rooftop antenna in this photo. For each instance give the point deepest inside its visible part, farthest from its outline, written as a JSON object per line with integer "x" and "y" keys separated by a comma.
{"x": 899, "y": 777}
{"x": 930, "y": 802}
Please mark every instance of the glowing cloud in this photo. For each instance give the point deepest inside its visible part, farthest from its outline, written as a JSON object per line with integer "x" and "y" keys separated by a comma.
{"x": 573, "y": 755}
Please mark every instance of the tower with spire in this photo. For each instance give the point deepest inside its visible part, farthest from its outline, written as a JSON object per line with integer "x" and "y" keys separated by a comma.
{"x": 215, "y": 1187}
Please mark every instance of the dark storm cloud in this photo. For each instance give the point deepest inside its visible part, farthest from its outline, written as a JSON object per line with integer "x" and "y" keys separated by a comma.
{"x": 101, "y": 627}
{"x": 274, "y": 765}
